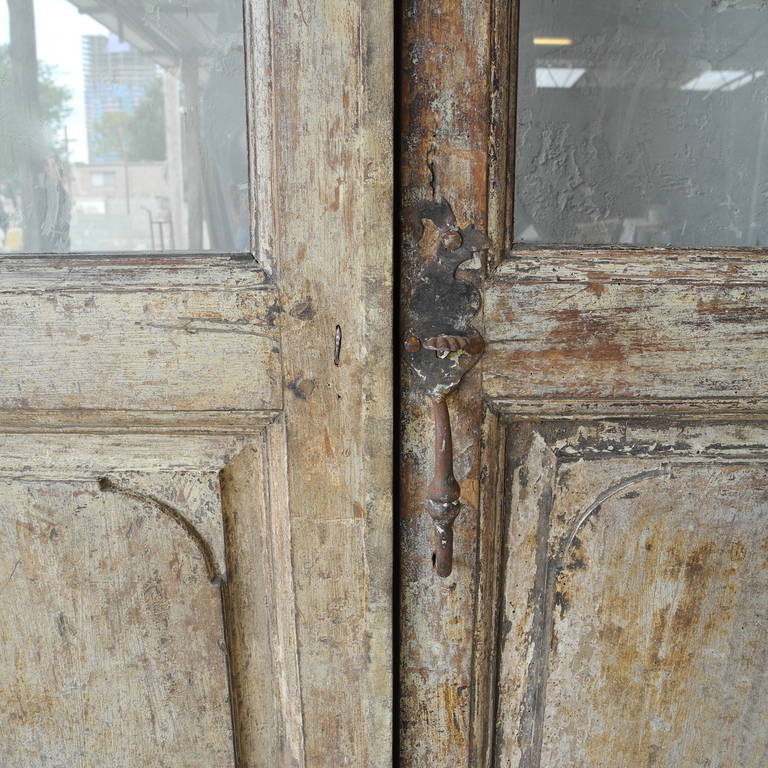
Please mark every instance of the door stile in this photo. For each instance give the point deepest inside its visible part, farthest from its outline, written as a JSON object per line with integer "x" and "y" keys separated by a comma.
{"x": 444, "y": 112}
{"x": 332, "y": 176}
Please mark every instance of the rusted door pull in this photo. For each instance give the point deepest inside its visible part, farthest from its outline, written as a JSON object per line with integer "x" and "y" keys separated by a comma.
{"x": 441, "y": 346}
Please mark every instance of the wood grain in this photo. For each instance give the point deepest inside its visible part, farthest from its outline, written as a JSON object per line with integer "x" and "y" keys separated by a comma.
{"x": 182, "y": 346}
{"x": 113, "y": 645}
{"x": 639, "y": 326}
{"x": 444, "y": 123}
{"x": 260, "y": 607}
{"x": 332, "y": 75}
{"x": 633, "y": 599}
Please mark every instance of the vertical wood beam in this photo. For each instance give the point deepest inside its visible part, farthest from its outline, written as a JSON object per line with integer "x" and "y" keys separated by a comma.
{"x": 445, "y": 123}
{"x": 333, "y": 241}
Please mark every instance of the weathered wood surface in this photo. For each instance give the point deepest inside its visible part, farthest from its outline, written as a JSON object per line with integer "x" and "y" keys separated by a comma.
{"x": 627, "y": 325}
{"x": 260, "y": 607}
{"x": 70, "y": 343}
{"x": 238, "y": 536}
{"x": 332, "y": 76}
{"x": 634, "y": 596}
{"x": 573, "y": 334}
{"x": 113, "y": 644}
{"x": 124, "y": 365}
{"x": 444, "y": 110}
{"x": 84, "y": 456}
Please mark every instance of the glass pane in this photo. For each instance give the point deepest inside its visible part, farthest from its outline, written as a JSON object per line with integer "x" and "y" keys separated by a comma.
{"x": 643, "y": 122}
{"x": 122, "y": 126}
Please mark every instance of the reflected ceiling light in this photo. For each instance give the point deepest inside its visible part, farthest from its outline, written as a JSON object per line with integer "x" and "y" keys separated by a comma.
{"x": 721, "y": 79}
{"x": 558, "y": 77}
{"x": 552, "y": 41}
{"x": 748, "y": 78}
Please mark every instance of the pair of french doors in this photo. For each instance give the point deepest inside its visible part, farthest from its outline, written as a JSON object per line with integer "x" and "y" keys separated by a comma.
{"x": 196, "y": 401}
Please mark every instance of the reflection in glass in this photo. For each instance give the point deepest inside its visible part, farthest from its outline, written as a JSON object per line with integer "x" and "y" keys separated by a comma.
{"x": 642, "y": 122}
{"x": 122, "y": 126}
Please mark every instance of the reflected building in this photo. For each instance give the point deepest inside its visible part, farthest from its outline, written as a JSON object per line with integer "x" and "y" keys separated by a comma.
{"x": 163, "y": 91}
{"x": 116, "y": 77}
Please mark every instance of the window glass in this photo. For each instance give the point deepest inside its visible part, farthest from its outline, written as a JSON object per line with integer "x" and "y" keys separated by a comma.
{"x": 642, "y": 122}
{"x": 122, "y": 126}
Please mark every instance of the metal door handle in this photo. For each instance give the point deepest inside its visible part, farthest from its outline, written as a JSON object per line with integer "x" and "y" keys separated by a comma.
{"x": 441, "y": 346}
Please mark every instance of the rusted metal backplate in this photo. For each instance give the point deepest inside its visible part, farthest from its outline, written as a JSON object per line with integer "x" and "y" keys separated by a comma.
{"x": 636, "y": 597}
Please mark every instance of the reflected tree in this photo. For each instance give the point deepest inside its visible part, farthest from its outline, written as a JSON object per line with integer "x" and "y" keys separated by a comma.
{"x": 138, "y": 136}
{"x": 33, "y": 155}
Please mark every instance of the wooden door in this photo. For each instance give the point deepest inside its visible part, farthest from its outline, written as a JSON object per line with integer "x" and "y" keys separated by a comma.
{"x": 195, "y": 399}
{"x": 608, "y": 596}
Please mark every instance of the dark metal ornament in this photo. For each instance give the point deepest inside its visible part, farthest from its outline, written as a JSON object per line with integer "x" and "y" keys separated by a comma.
{"x": 440, "y": 345}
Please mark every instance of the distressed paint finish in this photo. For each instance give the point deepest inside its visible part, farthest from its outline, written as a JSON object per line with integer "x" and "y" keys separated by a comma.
{"x": 627, "y": 326}
{"x": 634, "y": 595}
{"x": 235, "y": 532}
{"x": 672, "y": 339}
{"x": 135, "y": 336}
{"x": 161, "y": 373}
{"x": 445, "y": 92}
{"x": 332, "y": 79}
{"x": 260, "y": 606}
{"x": 113, "y": 645}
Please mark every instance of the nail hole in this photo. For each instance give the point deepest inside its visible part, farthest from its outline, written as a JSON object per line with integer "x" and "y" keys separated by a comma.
{"x": 337, "y": 346}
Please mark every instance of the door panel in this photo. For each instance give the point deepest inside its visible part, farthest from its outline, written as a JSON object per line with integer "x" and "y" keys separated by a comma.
{"x": 148, "y": 599}
{"x": 113, "y": 644}
{"x": 625, "y": 385}
{"x": 634, "y": 596}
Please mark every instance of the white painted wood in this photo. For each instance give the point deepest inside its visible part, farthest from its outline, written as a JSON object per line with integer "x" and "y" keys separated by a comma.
{"x": 113, "y": 646}
{"x": 154, "y": 348}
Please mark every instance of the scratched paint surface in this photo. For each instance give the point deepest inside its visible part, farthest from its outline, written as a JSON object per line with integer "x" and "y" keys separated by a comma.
{"x": 627, "y": 325}
{"x": 113, "y": 647}
{"x": 444, "y": 128}
{"x": 660, "y": 626}
{"x": 133, "y": 349}
{"x": 635, "y": 606}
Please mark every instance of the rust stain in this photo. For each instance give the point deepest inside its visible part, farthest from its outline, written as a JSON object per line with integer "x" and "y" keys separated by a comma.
{"x": 649, "y": 667}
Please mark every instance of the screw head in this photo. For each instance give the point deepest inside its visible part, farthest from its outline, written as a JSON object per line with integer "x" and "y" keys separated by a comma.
{"x": 412, "y": 344}
{"x": 452, "y": 240}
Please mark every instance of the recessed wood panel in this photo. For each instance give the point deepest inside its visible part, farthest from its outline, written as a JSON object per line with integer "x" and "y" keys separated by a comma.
{"x": 635, "y": 599}
{"x": 659, "y": 623}
{"x": 112, "y": 635}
